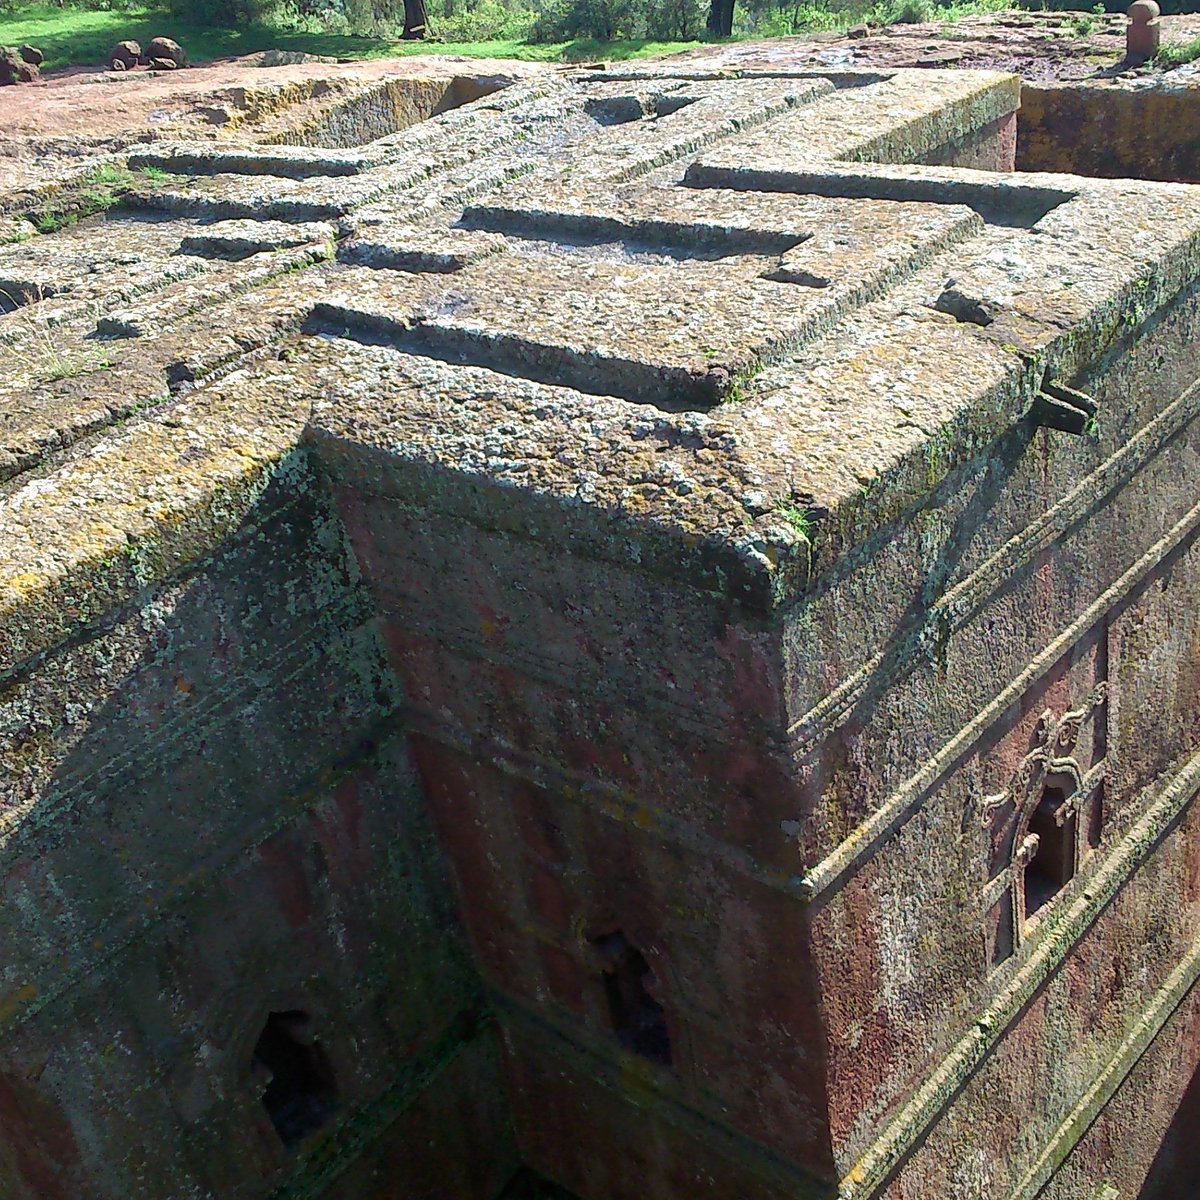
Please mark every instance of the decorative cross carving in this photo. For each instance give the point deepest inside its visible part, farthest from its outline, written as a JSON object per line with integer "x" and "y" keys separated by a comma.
{"x": 1056, "y": 737}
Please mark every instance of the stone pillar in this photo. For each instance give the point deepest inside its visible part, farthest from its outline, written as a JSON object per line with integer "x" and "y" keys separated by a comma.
{"x": 1143, "y": 31}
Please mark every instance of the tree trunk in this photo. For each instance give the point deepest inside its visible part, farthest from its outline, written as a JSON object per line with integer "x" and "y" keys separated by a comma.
{"x": 415, "y": 18}
{"x": 720, "y": 18}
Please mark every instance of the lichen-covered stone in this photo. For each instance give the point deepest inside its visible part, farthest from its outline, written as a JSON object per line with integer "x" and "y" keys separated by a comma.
{"x": 730, "y": 525}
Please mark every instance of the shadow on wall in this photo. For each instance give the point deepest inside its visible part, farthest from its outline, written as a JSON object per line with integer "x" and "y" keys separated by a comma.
{"x": 529, "y": 1185}
{"x": 380, "y": 110}
{"x": 1110, "y": 132}
{"x": 229, "y": 961}
{"x": 1176, "y": 1167}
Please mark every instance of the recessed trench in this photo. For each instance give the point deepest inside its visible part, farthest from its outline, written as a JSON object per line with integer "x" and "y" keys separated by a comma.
{"x": 383, "y": 109}
{"x": 669, "y": 388}
{"x": 16, "y": 294}
{"x": 1110, "y": 132}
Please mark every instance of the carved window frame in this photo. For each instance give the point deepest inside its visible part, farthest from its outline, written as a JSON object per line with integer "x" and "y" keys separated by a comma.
{"x": 1051, "y": 764}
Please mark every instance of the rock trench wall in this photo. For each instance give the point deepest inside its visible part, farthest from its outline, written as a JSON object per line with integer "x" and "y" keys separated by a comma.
{"x": 1111, "y": 132}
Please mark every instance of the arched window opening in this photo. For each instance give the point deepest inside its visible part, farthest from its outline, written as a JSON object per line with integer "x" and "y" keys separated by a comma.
{"x": 299, "y": 1091}
{"x": 637, "y": 1018}
{"x": 1053, "y": 861}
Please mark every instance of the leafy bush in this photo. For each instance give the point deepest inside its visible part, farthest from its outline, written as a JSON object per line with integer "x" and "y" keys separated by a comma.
{"x": 488, "y": 20}
{"x": 679, "y": 20}
{"x": 912, "y": 12}
{"x": 606, "y": 20}
{"x": 776, "y": 18}
{"x": 562, "y": 20}
{"x": 222, "y": 14}
{"x": 1178, "y": 54}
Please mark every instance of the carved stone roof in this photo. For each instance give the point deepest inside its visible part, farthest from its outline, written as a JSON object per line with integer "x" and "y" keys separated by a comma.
{"x": 726, "y": 326}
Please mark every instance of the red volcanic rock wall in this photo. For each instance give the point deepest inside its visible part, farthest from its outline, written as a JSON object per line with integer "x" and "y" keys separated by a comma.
{"x": 951, "y": 1000}
{"x": 600, "y": 750}
{"x": 226, "y": 751}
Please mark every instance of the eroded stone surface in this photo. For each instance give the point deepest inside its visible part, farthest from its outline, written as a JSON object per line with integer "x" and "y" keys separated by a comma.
{"x": 722, "y": 511}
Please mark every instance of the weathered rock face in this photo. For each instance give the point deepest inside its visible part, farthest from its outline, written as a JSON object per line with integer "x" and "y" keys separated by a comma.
{"x": 165, "y": 49}
{"x": 651, "y": 617}
{"x": 1143, "y": 131}
{"x": 15, "y": 68}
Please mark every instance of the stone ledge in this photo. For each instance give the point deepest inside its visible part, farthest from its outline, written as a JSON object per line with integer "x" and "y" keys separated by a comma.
{"x": 150, "y": 500}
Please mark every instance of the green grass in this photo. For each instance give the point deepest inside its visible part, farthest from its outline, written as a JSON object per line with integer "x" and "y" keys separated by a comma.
{"x": 79, "y": 37}
{"x": 799, "y": 520}
{"x": 1177, "y": 54}
{"x": 97, "y": 192}
{"x": 821, "y": 16}
{"x": 83, "y": 37}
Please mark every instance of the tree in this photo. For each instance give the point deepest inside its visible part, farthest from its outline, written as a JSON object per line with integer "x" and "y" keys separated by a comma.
{"x": 720, "y": 18}
{"x": 415, "y": 19}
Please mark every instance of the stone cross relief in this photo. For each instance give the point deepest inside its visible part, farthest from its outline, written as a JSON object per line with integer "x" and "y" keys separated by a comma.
{"x": 1056, "y": 736}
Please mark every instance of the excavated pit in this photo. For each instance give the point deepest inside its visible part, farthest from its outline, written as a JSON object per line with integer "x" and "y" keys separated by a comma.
{"x": 380, "y": 110}
{"x": 1106, "y": 132}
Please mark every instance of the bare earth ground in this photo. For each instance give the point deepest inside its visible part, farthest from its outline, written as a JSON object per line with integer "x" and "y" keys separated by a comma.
{"x": 74, "y": 111}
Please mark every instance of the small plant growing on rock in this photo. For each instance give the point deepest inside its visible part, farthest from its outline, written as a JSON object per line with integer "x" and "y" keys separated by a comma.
{"x": 97, "y": 192}
{"x": 1178, "y": 54}
{"x": 35, "y": 343}
{"x": 799, "y": 521}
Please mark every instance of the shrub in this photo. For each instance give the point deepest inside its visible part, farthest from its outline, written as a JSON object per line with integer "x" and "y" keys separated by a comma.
{"x": 911, "y": 12}
{"x": 604, "y": 20}
{"x": 607, "y": 20}
{"x": 1178, "y": 54}
{"x": 488, "y": 20}
{"x": 221, "y": 14}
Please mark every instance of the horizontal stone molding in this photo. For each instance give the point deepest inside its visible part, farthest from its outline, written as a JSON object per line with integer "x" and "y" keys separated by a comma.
{"x": 120, "y": 936}
{"x": 355, "y": 1133}
{"x": 1057, "y": 936}
{"x": 903, "y": 802}
{"x": 954, "y": 608}
{"x": 650, "y": 695}
{"x": 1110, "y": 1077}
{"x": 619, "y": 1072}
{"x": 21, "y": 826}
{"x": 625, "y": 808}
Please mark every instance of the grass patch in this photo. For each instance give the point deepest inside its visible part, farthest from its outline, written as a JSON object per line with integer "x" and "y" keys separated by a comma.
{"x": 799, "y": 520}
{"x": 70, "y": 369}
{"x": 94, "y": 193}
{"x": 82, "y": 37}
{"x": 591, "y": 50}
{"x": 828, "y": 16}
{"x": 39, "y": 348}
{"x": 1178, "y": 54}
{"x": 13, "y": 231}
